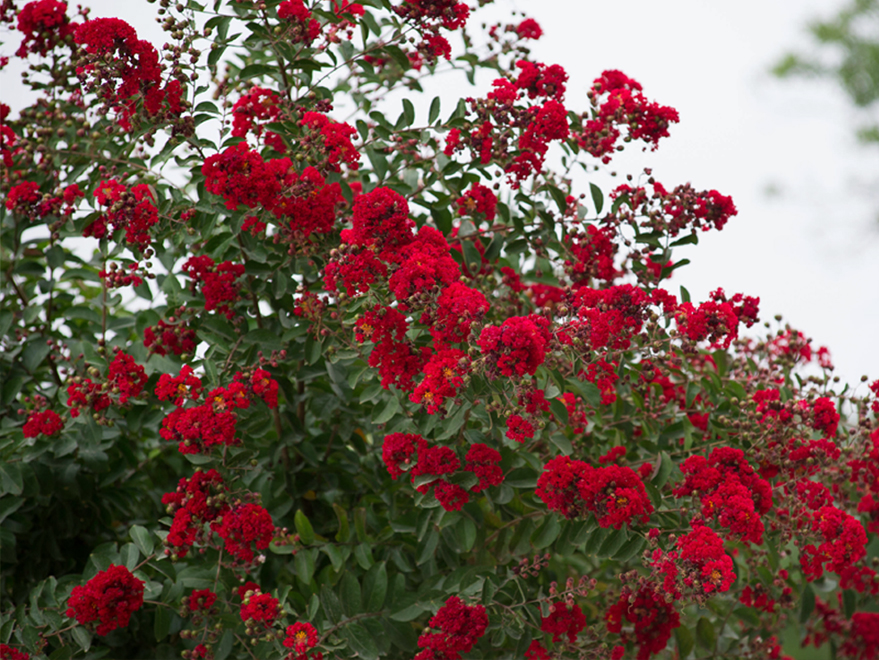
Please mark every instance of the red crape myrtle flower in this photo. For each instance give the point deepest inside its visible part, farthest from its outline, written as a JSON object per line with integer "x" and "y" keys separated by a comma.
{"x": 258, "y": 103}
{"x": 45, "y": 423}
{"x": 133, "y": 210}
{"x": 190, "y": 508}
{"x": 260, "y": 608}
{"x": 172, "y": 336}
{"x": 201, "y": 600}
{"x": 109, "y": 599}
{"x": 218, "y": 282}
{"x": 460, "y": 626}
{"x": 843, "y": 543}
{"x": 563, "y": 621}
{"x": 652, "y": 619}
{"x": 529, "y": 29}
{"x": 333, "y": 140}
{"x": 300, "y": 637}
{"x": 44, "y": 24}
{"x": 244, "y": 525}
{"x": 483, "y": 461}
{"x": 516, "y": 347}
{"x": 10, "y": 653}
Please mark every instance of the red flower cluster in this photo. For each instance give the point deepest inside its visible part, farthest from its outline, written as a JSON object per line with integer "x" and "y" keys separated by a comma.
{"x": 260, "y": 609}
{"x": 125, "y": 380}
{"x": 478, "y": 202}
{"x": 332, "y": 140}
{"x": 133, "y": 210}
{"x": 563, "y": 621}
{"x": 201, "y": 600}
{"x": 623, "y": 103}
{"x": 44, "y": 24}
{"x": 242, "y": 526}
{"x": 615, "y": 494}
{"x": 519, "y": 429}
{"x": 171, "y": 336}
{"x": 424, "y": 266}
{"x": 183, "y": 387}
{"x": 123, "y": 66}
{"x": 594, "y": 253}
{"x": 197, "y": 501}
{"x": 457, "y": 308}
{"x": 717, "y": 322}
{"x": 541, "y": 80}
{"x": 516, "y": 347}
{"x": 47, "y": 423}
{"x": 303, "y": 28}
{"x": 309, "y": 203}
{"x": 529, "y": 29}
{"x": 460, "y": 626}
{"x": 843, "y": 543}
{"x": 484, "y": 462}
{"x": 824, "y": 417}
{"x": 397, "y": 359}
{"x": 653, "y": 619}
{"x": 10, "y": 653}
{"x": 700, "y": 566}
{"x": 108, "y": 599}
{"x": 258, "y": 104}
{"x": 443, "y": 374}
{"x": 241, "y": 176}
{"x": 380, "y": 218}
{"x": 729, "y": 490}
{"x": 428, "y": 17}
{"x": 218, "y": 282}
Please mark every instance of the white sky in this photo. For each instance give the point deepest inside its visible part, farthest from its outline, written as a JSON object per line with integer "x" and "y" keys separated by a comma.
{"x": 806, "y": 239}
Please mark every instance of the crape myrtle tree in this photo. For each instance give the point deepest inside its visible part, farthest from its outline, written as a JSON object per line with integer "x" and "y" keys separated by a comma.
{"x": 291, "y": 370}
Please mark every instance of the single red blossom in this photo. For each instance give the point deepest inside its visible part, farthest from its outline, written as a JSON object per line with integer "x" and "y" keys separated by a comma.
{"x": 381, "y": 218}
{"x": 300, "y": 637}
{"x": 443, "y": 375}
{"x": 825, "y": 417}
{"x": 458, "y": 307}
{"x": 400, "y": 451}
{"x": 47, "y": 423}
{"x": 218, "y": 282}
{"x": 24, "y": 198}
{"x": 107, "y": 601}
{"x": 265, "y": 387}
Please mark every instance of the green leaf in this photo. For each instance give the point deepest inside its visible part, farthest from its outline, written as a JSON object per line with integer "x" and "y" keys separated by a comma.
{"x": 313, "y": 350}
{"x": 631, "y": 548}
{"x": 685, "y": 641}
{"x": 142, "y": 539}
{"x": 129, "y": 554}
{"x": 807, "y": 603}
{"x": 705, "y": 636}
{"x": 303, "y": 565}
{"x": 344, "y": 528}
{"x": 612, "y": 544}
{"x": 350, "y": 594}
{"x": 303, "y": 528}
{"x": 83, "y": 637}
{"x": 849, "y": 602}
{"x": 547, "y": 533}
{"x": 10, "y": 479}
{"x": 409, "y": 112}
{"x": 665, "y": 469}
{"x": 330, "y": 603}
{"x": 162, "y": 626}
{"x": 375, "y": 587}
{"x": 597, "y": 197}
{"x": 360, "y": 640}
{"x": 428, "y": 547}
{"x": 434, "y": 110}
{"x": 388, "y": 412}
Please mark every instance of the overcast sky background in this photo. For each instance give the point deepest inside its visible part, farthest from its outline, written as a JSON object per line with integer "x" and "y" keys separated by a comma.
{"x": 806, "y": 239}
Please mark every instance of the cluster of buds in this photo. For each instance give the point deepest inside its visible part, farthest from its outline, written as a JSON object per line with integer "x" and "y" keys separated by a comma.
{"x": 580, "y": 588}
{"x": 531, "y": 568}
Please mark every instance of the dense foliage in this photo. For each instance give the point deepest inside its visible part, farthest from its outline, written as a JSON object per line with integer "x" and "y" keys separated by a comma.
{"x": 294, "y": 369}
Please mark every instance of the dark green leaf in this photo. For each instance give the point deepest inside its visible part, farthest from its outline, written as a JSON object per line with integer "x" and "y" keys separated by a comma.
{"x": 143, "y": 539}
{"x": 685, "y": 641}
{"x": 303, "y": 528}
{"x": 330, "y": 603}
{"x": 162, "y": 626}
{"x": 434, "y": 110}
{"x": 597, "y": 197}
{"x": 547, "y": 533}
{"x": 705, "y": 634}
{"x": 360, "y": 641}
{"x": 807, "y": 603}
{"x": 375, "y": 587}
{"x": 350, "y": 593}
{"x": 614, "y": 541}
{"x": 849, "y": 602}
